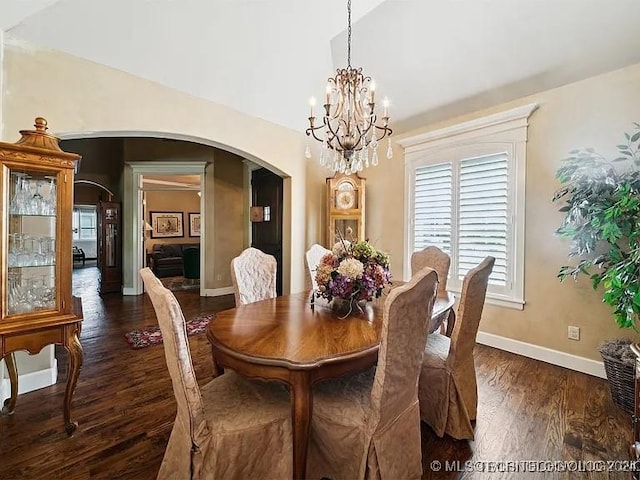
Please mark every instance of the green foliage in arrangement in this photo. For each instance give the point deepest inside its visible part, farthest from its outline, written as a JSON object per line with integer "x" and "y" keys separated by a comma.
{"x": 602, "y": 212}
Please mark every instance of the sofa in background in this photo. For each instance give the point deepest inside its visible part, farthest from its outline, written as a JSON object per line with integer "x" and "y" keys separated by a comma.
{"x": 167, "y": 258}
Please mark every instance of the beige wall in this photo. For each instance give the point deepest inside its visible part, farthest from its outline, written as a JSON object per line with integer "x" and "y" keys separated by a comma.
{"x": 229, "y": 215}
{"x": 83, "y": 97}
{"x": 590, "y": 113}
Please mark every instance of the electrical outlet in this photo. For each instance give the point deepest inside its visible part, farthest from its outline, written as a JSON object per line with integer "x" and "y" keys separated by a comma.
{"x": 218, "y": 277}
{"x": 573, "y": 333}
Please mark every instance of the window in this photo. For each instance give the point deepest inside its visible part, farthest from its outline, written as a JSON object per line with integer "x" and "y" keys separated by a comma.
{"x": 479, "y": 210}
{"x": 465, "y": 195}
{"x": 84, "y": 223}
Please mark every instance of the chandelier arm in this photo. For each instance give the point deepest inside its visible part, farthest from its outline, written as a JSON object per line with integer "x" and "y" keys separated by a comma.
{"x": 312, "y": 131}
{"x": 386, "y": 131}
{"x": 334, "y": 135}
{"x": 337, "y": 137}
{"x": 365, "y": 143}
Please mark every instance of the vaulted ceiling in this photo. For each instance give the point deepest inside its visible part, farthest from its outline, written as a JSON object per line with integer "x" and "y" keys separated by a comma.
{"x": 433, "y": 58}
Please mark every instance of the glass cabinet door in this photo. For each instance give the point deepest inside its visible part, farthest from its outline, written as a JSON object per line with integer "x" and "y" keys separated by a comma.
{"x": 32, "y": 205}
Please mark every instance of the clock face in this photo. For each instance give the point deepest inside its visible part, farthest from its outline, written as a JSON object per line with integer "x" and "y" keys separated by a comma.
{"x": 345, "y": 199}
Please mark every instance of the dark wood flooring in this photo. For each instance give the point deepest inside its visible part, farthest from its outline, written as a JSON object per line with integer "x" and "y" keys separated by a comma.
{"x": 124, "y": 404}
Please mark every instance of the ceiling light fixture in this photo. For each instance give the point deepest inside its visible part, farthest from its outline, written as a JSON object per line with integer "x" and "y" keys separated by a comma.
{"x": 349, "y": 127}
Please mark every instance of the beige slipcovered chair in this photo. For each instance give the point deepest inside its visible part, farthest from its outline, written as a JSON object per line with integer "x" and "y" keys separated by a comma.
{"x": 440, "y": 261}
{"x": 448, "y": 390}
{"x": 435, "y": 258}
{"x": 253, "y": 274}
{"x": 368, "y": 425}
{"x": 314, "y": 255}
{"x": 231, "y": 427}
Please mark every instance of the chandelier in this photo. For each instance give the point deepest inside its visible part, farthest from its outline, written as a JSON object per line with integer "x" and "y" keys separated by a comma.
{"x": 349, "y": 127}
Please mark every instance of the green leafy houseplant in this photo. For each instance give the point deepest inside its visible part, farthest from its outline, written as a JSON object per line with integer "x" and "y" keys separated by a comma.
{"x": 602, "y": 217}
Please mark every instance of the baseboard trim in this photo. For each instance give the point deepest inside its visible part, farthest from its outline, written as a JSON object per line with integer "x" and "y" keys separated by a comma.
{"x": 29, "y": 382}
{"x": 216, "y": 292}
{"x": 129, "y": 291}
{"x": 554, "y": 357}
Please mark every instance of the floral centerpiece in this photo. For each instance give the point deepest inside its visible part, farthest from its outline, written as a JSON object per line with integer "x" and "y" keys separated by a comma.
{"x": 352, "y": 273}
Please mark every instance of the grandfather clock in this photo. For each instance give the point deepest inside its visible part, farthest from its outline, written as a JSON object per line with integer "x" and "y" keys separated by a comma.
{"x": 345, "y": 208}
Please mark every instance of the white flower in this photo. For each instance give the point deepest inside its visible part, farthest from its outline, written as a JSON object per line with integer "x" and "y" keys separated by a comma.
{"x": 340, "y": 248}
{"x": 350, "y": 267}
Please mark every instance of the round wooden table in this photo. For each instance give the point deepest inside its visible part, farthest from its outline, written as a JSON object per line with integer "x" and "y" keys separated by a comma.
{"x": 285, "y": 339}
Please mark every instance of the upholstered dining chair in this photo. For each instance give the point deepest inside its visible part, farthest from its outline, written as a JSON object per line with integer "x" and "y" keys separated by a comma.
{"x": 448, "y": 390}
{"x": 440, "y": 261}
{"x": 314, "y": 255}
{"x": 229, "y": 428}
{"x": 253, "y": 275}
{"x": 368, "y": 425}
{"x": 437, "y": 259}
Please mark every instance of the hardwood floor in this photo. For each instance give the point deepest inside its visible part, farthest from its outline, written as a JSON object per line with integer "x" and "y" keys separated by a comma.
{"x": 124, "y": 404}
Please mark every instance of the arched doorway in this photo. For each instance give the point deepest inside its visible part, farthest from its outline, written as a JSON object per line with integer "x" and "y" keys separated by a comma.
{"x": 133, "y": 215}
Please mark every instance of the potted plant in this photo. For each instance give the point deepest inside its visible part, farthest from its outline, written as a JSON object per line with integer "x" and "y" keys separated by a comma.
{"x": 602, "y": 212}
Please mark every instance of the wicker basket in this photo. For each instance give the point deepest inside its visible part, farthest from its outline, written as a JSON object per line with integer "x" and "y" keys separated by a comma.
{"x": 621, "y": 378}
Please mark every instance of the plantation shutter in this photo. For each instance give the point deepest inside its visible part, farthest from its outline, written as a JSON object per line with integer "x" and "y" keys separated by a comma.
{"x": 483, "y": 215}
{"x": 433, "y": 212}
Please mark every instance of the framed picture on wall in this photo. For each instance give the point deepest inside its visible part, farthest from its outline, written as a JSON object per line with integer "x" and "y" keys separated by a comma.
{"x": 167, "y": 224}
{"x": 194, "y": 224}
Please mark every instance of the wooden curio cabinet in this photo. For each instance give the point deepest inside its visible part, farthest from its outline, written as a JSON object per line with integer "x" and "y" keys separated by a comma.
{"x": 37, "y": 308}
{"x": 345, "y": 208}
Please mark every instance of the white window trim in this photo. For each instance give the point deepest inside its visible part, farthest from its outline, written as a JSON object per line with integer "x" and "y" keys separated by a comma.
{"x": 508, "y": 127}
{"x": 94, "y": 210}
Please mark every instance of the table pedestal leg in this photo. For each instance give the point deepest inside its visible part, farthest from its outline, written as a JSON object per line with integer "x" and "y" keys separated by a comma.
{"x": 301, "y": 408}
{"x": 217, "y": 369}
{"x": 10, "y": 403}
{"x": 74, "y": 348}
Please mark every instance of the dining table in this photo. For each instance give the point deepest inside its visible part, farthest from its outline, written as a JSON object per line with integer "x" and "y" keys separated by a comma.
{"x": 301, "y": 342}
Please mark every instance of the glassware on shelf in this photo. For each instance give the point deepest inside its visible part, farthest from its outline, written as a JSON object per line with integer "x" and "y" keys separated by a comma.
{"x": 23, "y": 258}
{"x": 33, "y": 196}
{"x": 17, "y": 298}
{"x": 46, "y": 292}
{"x": 36, "y": 203}
{"x": 37, "y": 256}
{"x": 31, "y": 250}
{"x": 15, "y": 199}
{"x": 49, "y": 250}
{"x": 50, "y": 204}
{"x": 14, "y": 249}
{"x": 20, "y": 202}
{"x": 28, "y": 294}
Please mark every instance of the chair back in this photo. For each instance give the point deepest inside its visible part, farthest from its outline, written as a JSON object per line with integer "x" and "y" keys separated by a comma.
{"x": 178, "y": 356}
{"x": 474, "y": 289}
{"x": 314, "y": 255}
{"x": 405, "y": 326}
{"x": 253, "y": 274}
{"x": 435, "y": 258}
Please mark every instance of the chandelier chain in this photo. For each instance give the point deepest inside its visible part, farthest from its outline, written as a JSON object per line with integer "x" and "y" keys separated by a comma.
{"x": 349, "y": 34}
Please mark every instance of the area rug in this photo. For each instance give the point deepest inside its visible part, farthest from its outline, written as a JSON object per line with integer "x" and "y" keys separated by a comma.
{"x": 152, "y": 335}
{"x": 176, "y": 284}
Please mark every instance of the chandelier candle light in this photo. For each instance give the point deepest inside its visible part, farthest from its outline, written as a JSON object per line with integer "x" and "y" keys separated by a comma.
{"x": 349, "y": 125}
